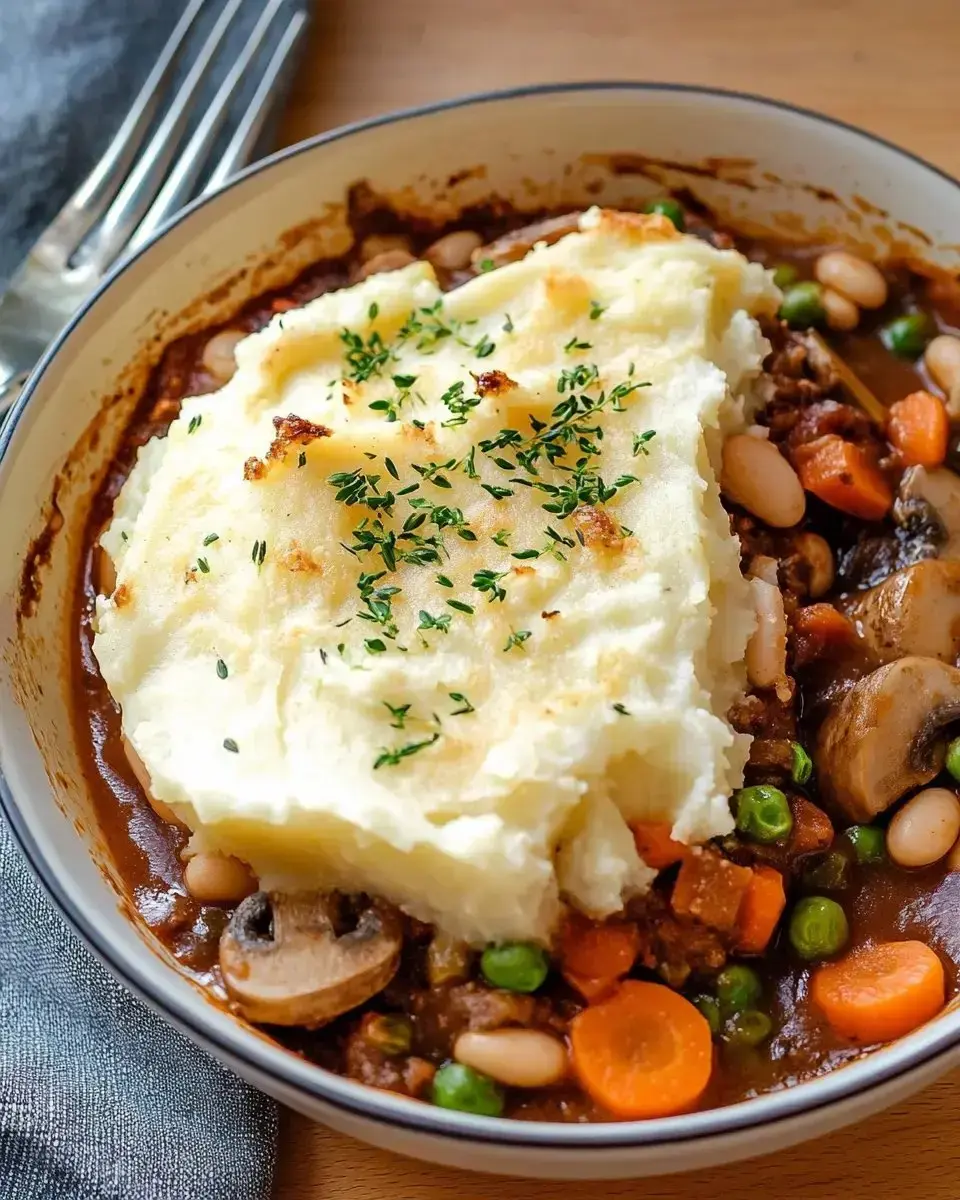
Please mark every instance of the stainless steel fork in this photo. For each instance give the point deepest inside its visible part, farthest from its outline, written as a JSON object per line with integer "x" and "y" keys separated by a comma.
{"x": 136, "y": 186}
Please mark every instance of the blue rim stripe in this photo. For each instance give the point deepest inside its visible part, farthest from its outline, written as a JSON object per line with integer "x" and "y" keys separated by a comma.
{"x": 357, "y": 1099}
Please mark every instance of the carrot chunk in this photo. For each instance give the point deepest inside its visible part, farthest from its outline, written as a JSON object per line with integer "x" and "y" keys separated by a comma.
{"x": 596, "y": 951}
{"x": 842, "y": 475}
{"x": 655, "y": 845}
{"x": 710, "y": 888}
{"x": 919, "y": 429}
{"x": 760, "y": 911}
{"x": 819, "y": 630}
{"x": 645, "y": 1052}
{"x": 591, "y": 990}
{"x": 880, "y": 992}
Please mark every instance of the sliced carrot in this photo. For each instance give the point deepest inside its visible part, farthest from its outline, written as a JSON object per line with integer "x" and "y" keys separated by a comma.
{"x": 645, "y": 1052}
{"x": 710, "y": 888}
{"x": 591, "y": 990}
{"x": 761, "y": 909}
{"x": 919, "y": 429}
{"x": 842, "y": 475}
{"x": 819, "y": 630}
{"x": 282, "y": 304}
{"x": 655, "y": 845}
{"x": 880, "y": 992}
{"x": 595, "y": 951}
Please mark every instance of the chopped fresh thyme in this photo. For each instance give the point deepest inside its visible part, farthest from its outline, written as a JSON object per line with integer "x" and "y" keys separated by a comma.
{"x": 624, "y": 712}
{"x": 427, "y": 621}
{"x": 489, "y": 581}
{"x": 498, "y": 493}
{"x": 596, "y": 309}
{"x": 517, "y": 638}
{"x": 302, "y": 460}
{"x": 460, "y": 698}
{"x": 390, "y": 758}
{"x": 484, "y": 348}
{"x": 640, "y": 441}
{"x": 458, "y": 404}
{"x": 575, "y": 344}
{"x": 203, "y": 566}
{"x": 259, "y": 553}
{"x": 507, "y": 324}
{"x": 365, "y": 359}
{"x": 501, "y": 536}
{"x": 211, "y": 538}
{"x": 374, "y": 646}
{"x": 460, "y": 606}
{"x": 222, "y": 668}
{"x": 399, "y": 714}
{"x": 195, "y": 423}
{"x": 123, "y": 535}
{"x": 391, "y": 467}
{"x": 444, "y": 581}
{"x": 231, "y": 745}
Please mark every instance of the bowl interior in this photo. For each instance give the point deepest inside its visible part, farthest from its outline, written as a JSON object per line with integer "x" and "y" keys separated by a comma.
{"x": 754, "y": 163}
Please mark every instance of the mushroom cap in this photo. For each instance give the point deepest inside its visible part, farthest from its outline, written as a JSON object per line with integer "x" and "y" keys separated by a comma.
{"x": 914, "y": 611}
{"x": 927, "y": 495}
{"x": 284, "y": 963}
{"x": 884, "y": 737}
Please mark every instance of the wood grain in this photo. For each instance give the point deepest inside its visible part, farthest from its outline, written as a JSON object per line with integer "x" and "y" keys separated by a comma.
{"x": 887, "y": 65}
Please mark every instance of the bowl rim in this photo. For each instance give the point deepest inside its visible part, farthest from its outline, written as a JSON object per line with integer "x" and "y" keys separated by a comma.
{"x": 231, "y": 1040}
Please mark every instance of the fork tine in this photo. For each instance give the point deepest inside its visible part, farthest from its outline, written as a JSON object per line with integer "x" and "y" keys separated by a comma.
{"x": 181, "y": 182}
{"x": 148, "y": 172}
{"x": 244, "y": 141}
{"x": 71, "y": 224}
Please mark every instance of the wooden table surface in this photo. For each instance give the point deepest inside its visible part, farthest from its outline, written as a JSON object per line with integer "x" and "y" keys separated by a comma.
{"x": 887, "y": 65}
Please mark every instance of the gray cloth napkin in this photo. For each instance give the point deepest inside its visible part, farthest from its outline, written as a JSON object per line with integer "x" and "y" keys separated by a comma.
{"x": 99, "y": 1099}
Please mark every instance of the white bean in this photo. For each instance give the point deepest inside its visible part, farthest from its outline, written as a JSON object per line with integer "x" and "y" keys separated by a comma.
{"x": 218, "y": 879}
{"x": 942, "y": 360}
{"x": 524, "y": 1058}
{"x": 219, "y": 356}
{"x": 925, "y": 828}
{"x": 163, "y": 811}
{"x": 756, "y": 475}
{"x": 853, "y": 277}
{"x": 453, "y": 251}
{"x": 390, "y": 260}
{"x": 842, "y": 314}
{"x": 382, "y": 243}
{"x": 816, "y": 552}
{"x": 766, "y": 656}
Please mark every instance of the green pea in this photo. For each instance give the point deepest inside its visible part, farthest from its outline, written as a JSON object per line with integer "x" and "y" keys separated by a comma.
{"x": 516, "y": 966}
{"x": 784, "y": 274}
{"x": 953, "y": 758}
{"x": 466, "y": 1090}
{"x": 710, "y": 1008}
{"x": 907, "y": 336}
{"x": 869, "y": 843}
{"x": 828, "y": 872}
{"x": 802, "y": 305}
{"x": 669, "y": 208}
{"x": 802, "y": 767}
{"x": 762, "y": 813}
{"x": 818, "y": 928}
{"x": 738, "y": 987}
{"x": 748, "y": 1028}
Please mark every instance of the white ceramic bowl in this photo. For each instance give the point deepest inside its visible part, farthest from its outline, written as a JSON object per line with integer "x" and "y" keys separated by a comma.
{"x": 777, "y": 166}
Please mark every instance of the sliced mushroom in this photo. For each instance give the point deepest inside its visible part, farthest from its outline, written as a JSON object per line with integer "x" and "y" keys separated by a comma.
{"x": 914, "y": 611}
{"x": 283, "y": 961}
{"x": 885, "y": 737}
{"x": 930, "y": 500}
{"x": 514, "y": 245}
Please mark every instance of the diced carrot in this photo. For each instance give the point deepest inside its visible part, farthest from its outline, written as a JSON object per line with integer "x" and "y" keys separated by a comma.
{"x": 591, "y": 990}
{"x": 762, "y": 907}
{"x": 880, "y": 992}
{"x": 819, "y": 630}
{"x": 645, "y": 1052}
{"x": 919, "y": 428}
{"x": 710, "y": 888}
{"x": 282, "y": 304}
{"x": 655, "y": 845}
{"x": 596, "y": 951}
{"x": 812, "y": 828}
{"x": 842, "y": 475}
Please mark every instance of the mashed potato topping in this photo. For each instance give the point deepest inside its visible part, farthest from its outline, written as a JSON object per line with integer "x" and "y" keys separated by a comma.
{"x": 437, "y": 595}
